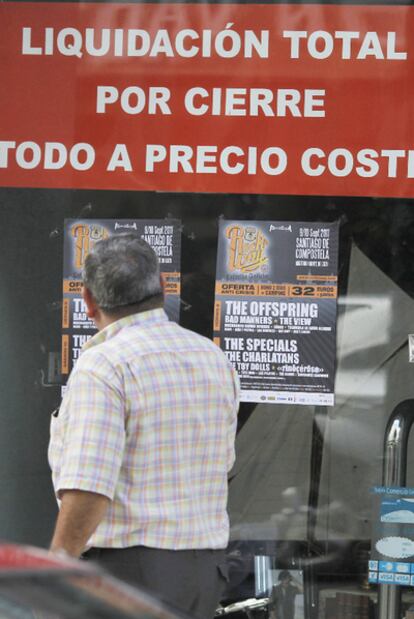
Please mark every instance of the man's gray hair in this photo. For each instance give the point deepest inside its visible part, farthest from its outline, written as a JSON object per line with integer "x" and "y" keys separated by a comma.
{"x": 122, "y": 270}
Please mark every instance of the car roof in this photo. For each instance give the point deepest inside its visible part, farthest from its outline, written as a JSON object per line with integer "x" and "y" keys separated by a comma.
{"x": 29, "y": 569}
{"x": 22, "y": 558}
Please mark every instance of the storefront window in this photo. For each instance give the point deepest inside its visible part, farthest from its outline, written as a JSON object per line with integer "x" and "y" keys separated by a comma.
{"x": 301, "y": 491}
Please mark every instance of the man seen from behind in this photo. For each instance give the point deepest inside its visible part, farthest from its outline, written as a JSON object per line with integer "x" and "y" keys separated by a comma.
{"x": 144, "y": 439}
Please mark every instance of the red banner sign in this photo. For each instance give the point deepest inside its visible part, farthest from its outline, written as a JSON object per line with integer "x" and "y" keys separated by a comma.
{"x": 279, "y": 99}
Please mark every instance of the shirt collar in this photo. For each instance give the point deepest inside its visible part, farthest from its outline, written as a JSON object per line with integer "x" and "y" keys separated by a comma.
{"x": 142, "y": 318}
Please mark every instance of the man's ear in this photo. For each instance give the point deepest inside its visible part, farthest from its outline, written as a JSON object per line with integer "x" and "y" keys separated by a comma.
{"x": 91, "y": 306}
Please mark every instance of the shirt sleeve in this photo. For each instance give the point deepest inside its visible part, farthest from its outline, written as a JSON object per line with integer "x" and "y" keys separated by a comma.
{"x": 231, "y": 454}
{"x": 93, "y": 436}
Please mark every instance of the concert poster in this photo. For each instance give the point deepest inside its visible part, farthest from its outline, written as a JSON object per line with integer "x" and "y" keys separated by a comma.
{"x": 275, "y": 308}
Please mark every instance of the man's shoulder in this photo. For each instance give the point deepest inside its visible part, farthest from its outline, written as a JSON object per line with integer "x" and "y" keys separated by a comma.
{"x": 196, "y": 341}
{"x": 139, "y": 341}
{"x": 193, "y": 336}
{"x": 98, "y": 359}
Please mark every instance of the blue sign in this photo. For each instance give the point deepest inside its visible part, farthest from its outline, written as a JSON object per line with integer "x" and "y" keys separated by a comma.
{"x": 392, "y": 548}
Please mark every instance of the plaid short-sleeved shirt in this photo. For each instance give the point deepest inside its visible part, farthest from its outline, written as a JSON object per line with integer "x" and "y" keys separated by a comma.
{"x": 149, "y": 420}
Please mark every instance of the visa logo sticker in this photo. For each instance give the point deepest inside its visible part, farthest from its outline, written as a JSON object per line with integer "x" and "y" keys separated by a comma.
{"x": 402, "y": 579}
{"x": 386, "y": 578}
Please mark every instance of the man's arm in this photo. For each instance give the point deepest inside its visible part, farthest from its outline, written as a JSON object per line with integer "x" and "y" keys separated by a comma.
{"x": 89, "y": 452}
{"x": 79, "y": 515}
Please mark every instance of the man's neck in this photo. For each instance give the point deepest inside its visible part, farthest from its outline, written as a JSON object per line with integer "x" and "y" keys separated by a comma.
{"x": 104, "y": 319}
